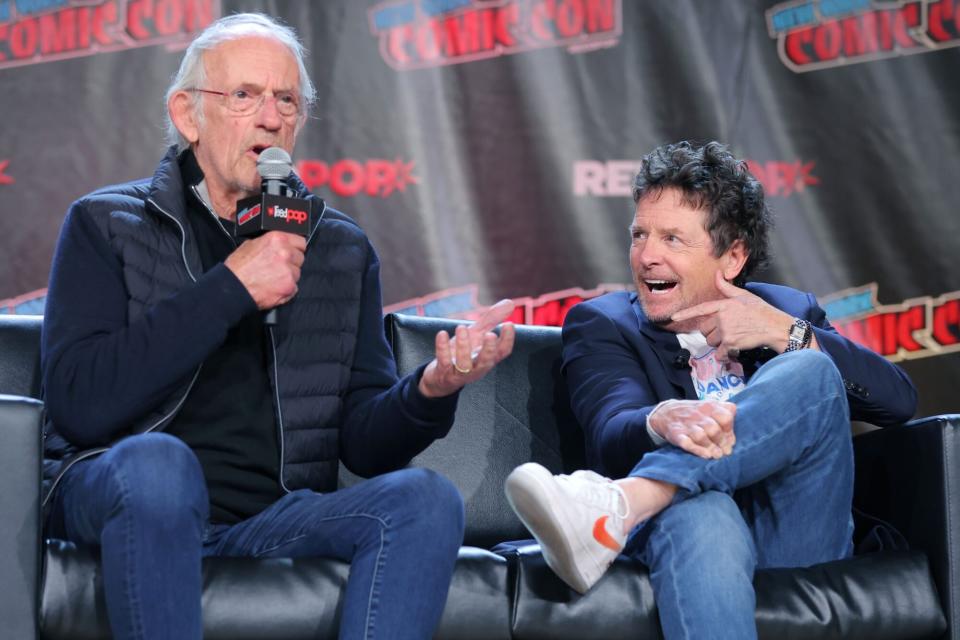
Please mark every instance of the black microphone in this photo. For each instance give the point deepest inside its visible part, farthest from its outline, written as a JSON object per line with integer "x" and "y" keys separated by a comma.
{"x": 274, "y": 209}
{"x": 682, "y": 361}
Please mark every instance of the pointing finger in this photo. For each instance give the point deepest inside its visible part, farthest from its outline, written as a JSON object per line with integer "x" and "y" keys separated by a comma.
{"x": 697, "y": 310}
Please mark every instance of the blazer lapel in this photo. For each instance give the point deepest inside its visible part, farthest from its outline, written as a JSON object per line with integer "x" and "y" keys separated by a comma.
{"x": 667, "y": 349}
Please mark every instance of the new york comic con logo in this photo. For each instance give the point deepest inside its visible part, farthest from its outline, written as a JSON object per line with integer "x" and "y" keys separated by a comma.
{"x": 34, "y": 31}
{"x": 915, "y": 328}
{"x": 818, "y": 34}
{"x": 427, "y": 33}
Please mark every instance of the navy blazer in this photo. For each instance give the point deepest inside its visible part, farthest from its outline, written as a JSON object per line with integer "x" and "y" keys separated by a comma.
{"x": 618, "y": 366}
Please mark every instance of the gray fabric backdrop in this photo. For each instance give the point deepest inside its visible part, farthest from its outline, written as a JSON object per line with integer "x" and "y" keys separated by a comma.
{"x": 487, "y": 146}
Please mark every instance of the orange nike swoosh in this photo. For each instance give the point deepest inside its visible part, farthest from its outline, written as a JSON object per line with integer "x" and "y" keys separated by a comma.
{"x": 600, "y": 534}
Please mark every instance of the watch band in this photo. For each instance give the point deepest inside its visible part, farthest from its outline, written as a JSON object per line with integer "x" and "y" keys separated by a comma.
{"x": 801, "y": 333}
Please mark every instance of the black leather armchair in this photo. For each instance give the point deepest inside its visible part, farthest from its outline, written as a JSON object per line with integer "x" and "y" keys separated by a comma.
{"x": 906, "y": 475}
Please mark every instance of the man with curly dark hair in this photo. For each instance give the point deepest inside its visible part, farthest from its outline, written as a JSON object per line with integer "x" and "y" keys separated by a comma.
{"x": 723, "y": 408}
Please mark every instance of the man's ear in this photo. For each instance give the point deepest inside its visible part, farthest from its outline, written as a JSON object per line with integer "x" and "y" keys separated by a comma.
{"x": 183, "y": 113}
{"x": 733, "y": 260}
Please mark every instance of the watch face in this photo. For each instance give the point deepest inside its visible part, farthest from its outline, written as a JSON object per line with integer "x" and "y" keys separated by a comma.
{"x": 797, "y": 333}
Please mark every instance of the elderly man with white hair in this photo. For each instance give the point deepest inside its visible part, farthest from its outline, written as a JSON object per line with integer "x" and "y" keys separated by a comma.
{"x": 182, "y": 425}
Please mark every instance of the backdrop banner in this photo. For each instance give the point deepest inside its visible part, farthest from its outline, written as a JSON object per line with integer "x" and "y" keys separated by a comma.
{"x": 487, "y": 146}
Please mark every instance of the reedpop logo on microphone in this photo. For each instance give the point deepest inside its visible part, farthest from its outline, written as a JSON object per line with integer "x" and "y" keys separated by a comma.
{"x": 289, "y": 214}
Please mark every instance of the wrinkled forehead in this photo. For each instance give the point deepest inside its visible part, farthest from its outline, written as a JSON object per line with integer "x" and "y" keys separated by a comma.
{"x": 257, "y": 61}
{"x": 669, "y": 208}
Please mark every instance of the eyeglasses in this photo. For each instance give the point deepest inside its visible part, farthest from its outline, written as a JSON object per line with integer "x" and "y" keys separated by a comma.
{"x": 247, "y": 101}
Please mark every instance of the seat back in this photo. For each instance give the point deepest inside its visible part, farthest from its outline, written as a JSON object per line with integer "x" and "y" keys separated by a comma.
{"x": 519, "y": 412}
{"x": 20, "y": 346}
{"x": 20, "y": 461}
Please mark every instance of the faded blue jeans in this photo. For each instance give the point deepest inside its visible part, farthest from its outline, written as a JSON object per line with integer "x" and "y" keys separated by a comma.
{"x": 145, "y": 503}
{"x": 783, "y": 498}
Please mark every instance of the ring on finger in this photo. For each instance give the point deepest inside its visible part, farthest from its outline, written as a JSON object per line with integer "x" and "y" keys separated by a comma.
{"x": 459, "y": 370}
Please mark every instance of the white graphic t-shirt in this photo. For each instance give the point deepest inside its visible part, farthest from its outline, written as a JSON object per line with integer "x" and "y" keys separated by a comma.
{"x": 713, "y": 380}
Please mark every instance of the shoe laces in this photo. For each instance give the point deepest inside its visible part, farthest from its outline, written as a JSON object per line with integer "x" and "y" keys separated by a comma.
{"x": 598, "y": 491}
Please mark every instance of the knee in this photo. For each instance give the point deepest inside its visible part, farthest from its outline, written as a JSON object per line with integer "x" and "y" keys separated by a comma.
{"x": 811, "y": 376}
{"x": 818, "y": 379}
{"x": 814, "y": 373}
{"x": 432, "y": 505}
{"x": 707, "y": 533}
{"x": 159, "y": 477}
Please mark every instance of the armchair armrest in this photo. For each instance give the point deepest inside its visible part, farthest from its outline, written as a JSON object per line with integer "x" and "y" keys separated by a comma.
{"x": 910, "y": 476}
{"x": 21, "y": 460}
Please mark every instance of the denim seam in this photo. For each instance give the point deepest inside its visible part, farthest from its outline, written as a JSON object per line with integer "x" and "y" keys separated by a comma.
{"x": 665, "y": 536}
{"x": 378, "y": 566}
{"x": 133, "y": 599}
{"x": 301, "y": 534}
{"x": 375, "y": 585}
{"x": 262, "y": 552}
{"x": 681, "y": 610}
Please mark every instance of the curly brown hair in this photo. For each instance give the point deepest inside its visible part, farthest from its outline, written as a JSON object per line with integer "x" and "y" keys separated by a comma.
{"x": 712, "y": 179}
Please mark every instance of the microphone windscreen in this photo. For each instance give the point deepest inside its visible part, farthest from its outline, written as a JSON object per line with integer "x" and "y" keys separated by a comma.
{"x": 274, "y": 163}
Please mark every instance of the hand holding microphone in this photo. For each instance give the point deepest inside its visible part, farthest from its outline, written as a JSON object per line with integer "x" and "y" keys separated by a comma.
{"x": 277, "y": 224}
{"x": 269, "y": 267}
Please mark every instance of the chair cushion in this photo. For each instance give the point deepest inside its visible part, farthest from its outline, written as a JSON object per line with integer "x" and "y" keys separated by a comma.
{"x": 266, "y": 599}
{"x": 874, "y": 597}
{"x": 877, "y": 596}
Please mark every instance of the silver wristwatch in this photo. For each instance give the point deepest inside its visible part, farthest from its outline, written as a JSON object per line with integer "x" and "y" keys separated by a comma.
{"x": 800, "y": 335}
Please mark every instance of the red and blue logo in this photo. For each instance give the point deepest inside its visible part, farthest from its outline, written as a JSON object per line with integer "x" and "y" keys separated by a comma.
{"x": 414, "y": 34}
{"x": 35, "y": 31}
{"x": 819, "y": 34}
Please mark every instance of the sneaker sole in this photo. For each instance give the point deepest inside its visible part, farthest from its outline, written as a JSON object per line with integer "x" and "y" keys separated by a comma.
{"x": 529, "y": 493}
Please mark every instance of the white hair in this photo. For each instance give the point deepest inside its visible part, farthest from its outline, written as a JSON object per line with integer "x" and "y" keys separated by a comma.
{"x": 192, "y": 74}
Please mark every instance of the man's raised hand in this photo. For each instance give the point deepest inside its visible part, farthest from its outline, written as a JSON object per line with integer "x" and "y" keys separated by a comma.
{"x": 738, "y": 322}
{"x": 470, "y": 354}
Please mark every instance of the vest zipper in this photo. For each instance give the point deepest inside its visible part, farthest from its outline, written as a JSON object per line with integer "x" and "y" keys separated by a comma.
{"x": 273, "y": 341}
{"x": 273, "y": 349}
{"x": 276, "y": 372}
{"x": 316, "y": 225}
{"x": 277, "y": 409}
{"x": 83, "y": 456}
{"x": 216, "y": 218}
{"x": 93, "y": 452}
{"x": 186, "y": 265}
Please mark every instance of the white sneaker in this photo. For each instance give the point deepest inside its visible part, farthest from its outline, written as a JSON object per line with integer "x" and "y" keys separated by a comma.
{"x": 577, "y": 519}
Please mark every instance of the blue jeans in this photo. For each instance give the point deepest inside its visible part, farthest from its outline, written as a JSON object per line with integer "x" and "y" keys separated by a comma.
{"x": 783, "y": 498}
{"x": 145, "y": 503}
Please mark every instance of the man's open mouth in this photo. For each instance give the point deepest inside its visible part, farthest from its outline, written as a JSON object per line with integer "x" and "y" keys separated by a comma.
{"x": 660, "y": 286}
